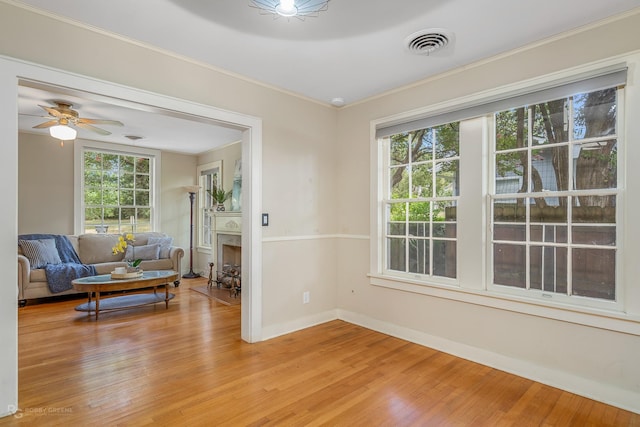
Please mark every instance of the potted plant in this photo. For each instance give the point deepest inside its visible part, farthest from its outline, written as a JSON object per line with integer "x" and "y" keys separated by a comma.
{"x": 219, "y": 196}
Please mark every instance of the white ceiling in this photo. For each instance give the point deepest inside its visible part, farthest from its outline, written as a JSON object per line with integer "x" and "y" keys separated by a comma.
{"x": 354, "y": 50}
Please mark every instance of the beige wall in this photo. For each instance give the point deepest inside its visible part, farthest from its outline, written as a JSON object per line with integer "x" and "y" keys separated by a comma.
{"x": 45, "y": 185}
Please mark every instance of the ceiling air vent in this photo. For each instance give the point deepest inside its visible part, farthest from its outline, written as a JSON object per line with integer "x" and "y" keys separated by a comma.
{"x": 425, "y": 42}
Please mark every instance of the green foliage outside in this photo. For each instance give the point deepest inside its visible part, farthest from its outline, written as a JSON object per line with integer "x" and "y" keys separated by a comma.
{"x": 117, "y": 192}
{"x": 420, "y": 159}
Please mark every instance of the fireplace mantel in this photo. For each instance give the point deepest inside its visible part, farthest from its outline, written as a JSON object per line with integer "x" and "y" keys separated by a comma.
{"x": 227, "y": 222}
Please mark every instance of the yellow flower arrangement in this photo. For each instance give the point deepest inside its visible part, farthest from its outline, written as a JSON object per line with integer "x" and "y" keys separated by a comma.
{"x": 121, "y": 248}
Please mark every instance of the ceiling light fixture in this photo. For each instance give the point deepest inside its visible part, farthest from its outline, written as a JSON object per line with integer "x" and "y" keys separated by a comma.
{"x": 63, "y": 132}
{"x": 291, "y": 8}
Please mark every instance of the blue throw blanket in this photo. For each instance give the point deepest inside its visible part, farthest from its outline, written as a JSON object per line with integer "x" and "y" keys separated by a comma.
{"x": 59, "y": 276}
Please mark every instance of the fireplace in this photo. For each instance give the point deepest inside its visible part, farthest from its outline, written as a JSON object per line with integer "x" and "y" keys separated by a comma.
{"x": 229, "y": 250}
{"x": 229, "y": 261}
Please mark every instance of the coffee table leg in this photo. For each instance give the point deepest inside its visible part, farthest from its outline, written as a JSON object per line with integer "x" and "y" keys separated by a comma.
{"x": 97, "y": 303}
{"x": 166, "y": 295}
{"x": 89, "y": 303}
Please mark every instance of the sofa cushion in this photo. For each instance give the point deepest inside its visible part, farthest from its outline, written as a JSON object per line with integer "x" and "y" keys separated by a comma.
{"x": 40, "y": 252}
{"x": 142, "y": 252}
{"x": 165, "y": 245}
{"x": 98, "y": 248}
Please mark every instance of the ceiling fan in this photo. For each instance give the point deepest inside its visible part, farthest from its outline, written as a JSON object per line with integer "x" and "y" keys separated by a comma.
{"x": 64, "y": 115}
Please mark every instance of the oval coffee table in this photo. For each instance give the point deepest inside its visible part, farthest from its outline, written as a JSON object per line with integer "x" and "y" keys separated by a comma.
{"x": 104, "y": 283}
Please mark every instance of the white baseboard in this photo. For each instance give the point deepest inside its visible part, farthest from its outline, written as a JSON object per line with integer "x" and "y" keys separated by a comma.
{"x": 615, "y": 396}
{"x": 273, "y": 331}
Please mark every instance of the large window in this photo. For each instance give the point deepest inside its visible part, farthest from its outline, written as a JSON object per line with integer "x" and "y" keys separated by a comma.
{"x": 421, "y": 200}
{"x": 117, "y": 191}
{"x": 519, "y": 198}
{"x": 554, "y": 221}
{"x": 210, "y": 177}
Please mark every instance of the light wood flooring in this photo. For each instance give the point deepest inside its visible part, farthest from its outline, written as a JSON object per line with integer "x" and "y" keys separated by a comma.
{"x": 186, "y": 366}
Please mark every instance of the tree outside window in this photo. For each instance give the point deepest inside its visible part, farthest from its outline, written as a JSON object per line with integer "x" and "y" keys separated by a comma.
{"x": 421, "y": 201}
{"x": 117, "y": 192}
{"x": 554, "y": 225}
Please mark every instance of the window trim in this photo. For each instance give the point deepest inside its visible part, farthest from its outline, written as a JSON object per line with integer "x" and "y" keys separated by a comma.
{"x": 80, "y": 146}
{"x": 473, "y": 287}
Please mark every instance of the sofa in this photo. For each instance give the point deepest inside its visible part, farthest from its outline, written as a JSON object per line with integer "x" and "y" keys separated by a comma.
{"x": 96, "y": 250}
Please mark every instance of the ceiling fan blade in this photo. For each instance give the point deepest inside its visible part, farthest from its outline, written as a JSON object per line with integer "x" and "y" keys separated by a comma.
{"x": 100, "y": 122}
{"x": 93, "y": 128}
{"x": 46, "y": 124}
{"x": 51, "y": 110}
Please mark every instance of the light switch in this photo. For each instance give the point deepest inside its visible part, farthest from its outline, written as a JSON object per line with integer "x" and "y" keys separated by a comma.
{"x": 265, "y": 219}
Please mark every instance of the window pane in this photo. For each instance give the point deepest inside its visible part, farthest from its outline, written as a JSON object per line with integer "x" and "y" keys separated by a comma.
{"x": 447, "y": 178}
{"x": 509, "y": 265}
{"x": 444, "y": 258}
{"x": 422, "y": 181}
{"x": 397, "y": 212}
{"x": 399, "y": 149}
{"x": 126, "y": 180}
{"x": 126, "y": 197}
{"x": 448, "y": 137}
{"x": 126, "y": 164}
{"x": 509, "y": 232}
{"x": 550, "y": 122}
{"x": 594, "y": 273}
{"x": 142, "y": 198}
{"x": 595, "y": 114}
{"x": 597, "y": 165}
{"x": 422, "y": 145}
{"x": 92, "y": 178}
{"x": 595, "y": 209}
{"x": 447, "y": 230}
{"x": 548, "y": 233}
{"x": 419, "y": 211}
{"x": 511, "y": 129}
{"x": 399, "y": 182}
{"x": 550, "y": 169}
{"x": 604, "y": 236}
{"x": 142, "y": 182}
{"x": 419, "y": 229}
{"x": 419, "y": 256}
{"x": 548, "y": 269}
{"x": 396, "y": 254}
{"x": 509, "y": 212}
{"x": 142, "y": 165}
{"x": 511, "y": 167}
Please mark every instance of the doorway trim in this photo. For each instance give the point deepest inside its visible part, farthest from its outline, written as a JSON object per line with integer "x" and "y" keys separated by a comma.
{"x": 11, "y": 72}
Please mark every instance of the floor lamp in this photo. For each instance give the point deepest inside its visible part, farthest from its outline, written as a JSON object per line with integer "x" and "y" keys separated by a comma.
{"x": 192, "y": 190}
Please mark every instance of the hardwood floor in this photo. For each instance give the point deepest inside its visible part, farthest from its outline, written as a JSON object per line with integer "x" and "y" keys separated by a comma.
{"x": 187, "y": 366}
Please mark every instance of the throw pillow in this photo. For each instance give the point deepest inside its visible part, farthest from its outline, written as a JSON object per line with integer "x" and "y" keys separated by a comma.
{"x": 145, "y": 252}
{"x": 40, "y": 252}
{"x": 165, "y": 245}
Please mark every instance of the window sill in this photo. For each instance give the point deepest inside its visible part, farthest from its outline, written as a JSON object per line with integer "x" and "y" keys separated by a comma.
{"x": 597, "y": 318}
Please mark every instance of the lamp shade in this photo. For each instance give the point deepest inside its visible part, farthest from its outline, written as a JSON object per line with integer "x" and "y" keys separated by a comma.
{"x": 62, "y": 132}
{"x": 191, "y": 188}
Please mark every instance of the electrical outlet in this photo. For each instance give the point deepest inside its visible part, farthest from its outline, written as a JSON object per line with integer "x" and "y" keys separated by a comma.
{"x": 305, "y": 297}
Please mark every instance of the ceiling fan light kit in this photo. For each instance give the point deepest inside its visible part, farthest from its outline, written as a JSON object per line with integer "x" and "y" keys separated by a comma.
{"x": 63, "y": 116}
{"x": 291, "y": 8}
{"x": 63, "y": 132}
